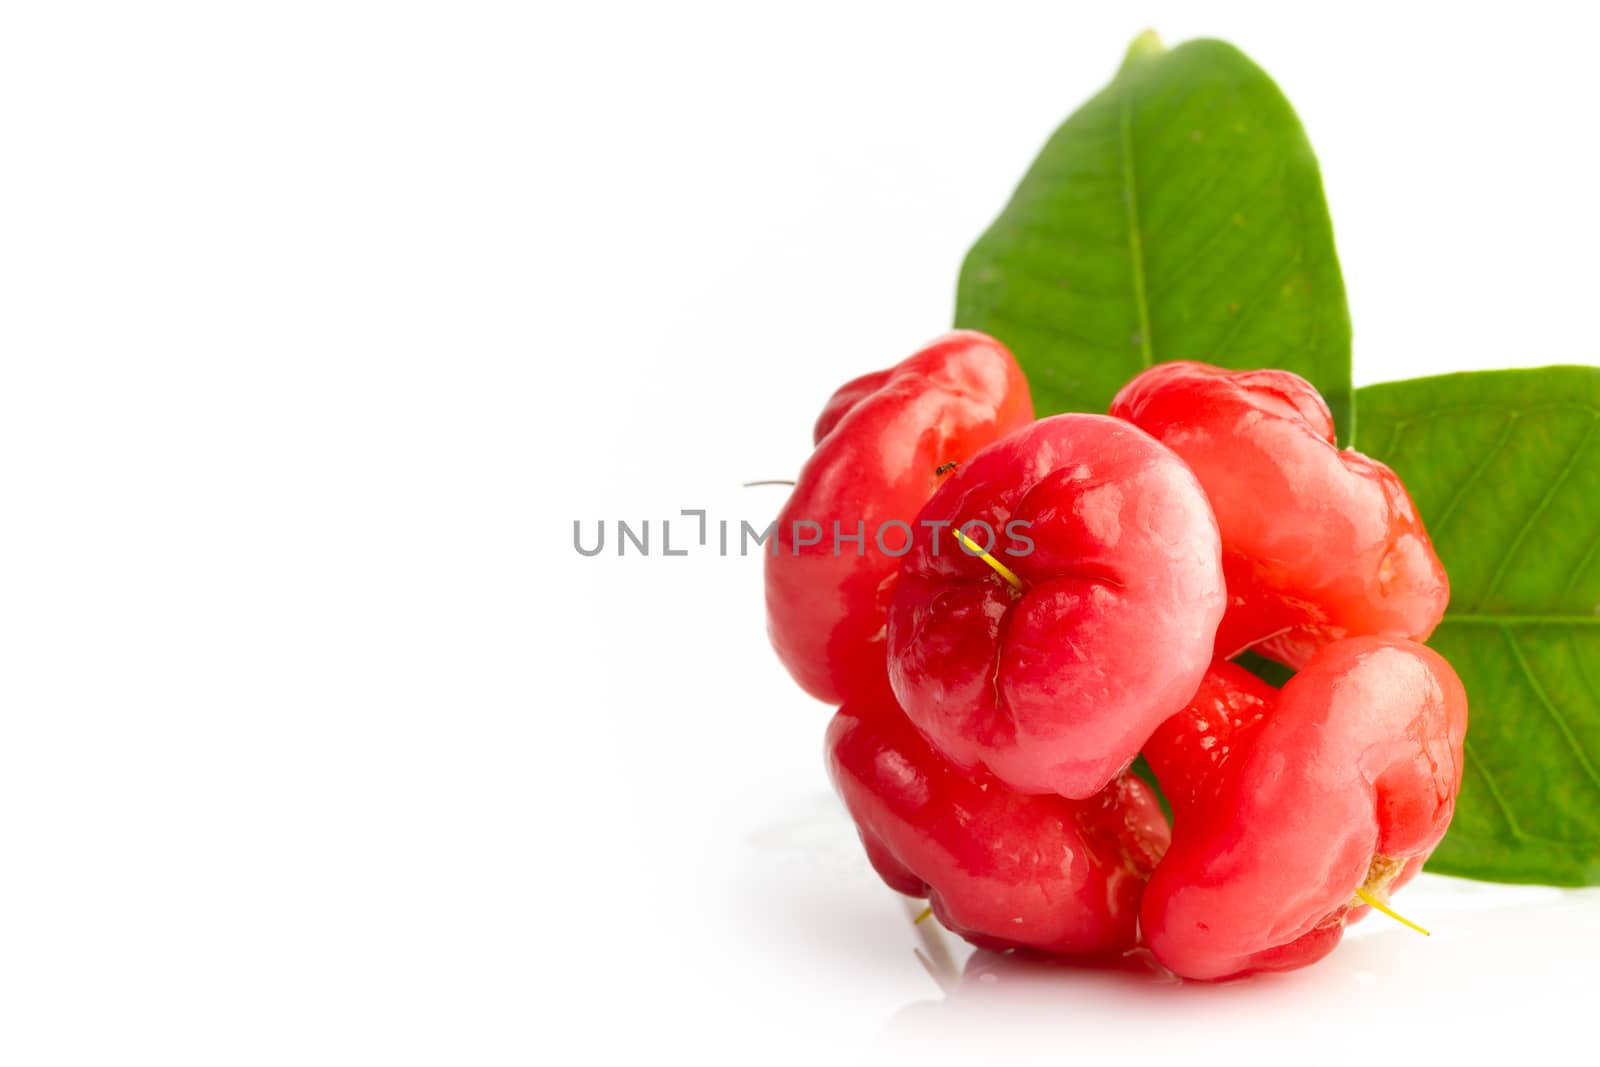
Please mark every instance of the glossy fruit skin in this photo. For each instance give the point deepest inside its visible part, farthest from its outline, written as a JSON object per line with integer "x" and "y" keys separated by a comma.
{"x": 1284, "y": 803}
{"x": 1056, "y": 688}
{"x": 1318, "y": 543}
{"x": 883, "y": 444}
{"x": 1000, "y": 868}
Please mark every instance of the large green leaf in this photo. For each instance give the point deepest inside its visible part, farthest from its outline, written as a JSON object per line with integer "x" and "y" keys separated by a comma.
{"x": 1177, "y": 215}
{"x": 1505, "y": 469}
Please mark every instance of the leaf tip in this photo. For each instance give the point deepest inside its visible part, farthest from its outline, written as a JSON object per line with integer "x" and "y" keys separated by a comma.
{"x": 1146, "y": 44}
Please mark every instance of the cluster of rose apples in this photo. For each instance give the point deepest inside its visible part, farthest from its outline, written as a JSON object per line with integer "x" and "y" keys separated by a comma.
{"x": 1008, "y": 611}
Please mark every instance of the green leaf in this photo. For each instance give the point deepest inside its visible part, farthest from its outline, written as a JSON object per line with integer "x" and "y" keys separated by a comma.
{"x": 1270, "y": 671}
{"x": 1504, "y": 467}
{"x": 1145, "y": 773}
{"x": 1179, "y": 214}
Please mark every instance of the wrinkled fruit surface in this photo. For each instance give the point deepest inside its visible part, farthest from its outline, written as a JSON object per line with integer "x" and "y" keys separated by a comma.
{"x": 883, "y": 443}
{"x": 1054, "y": 688}
{"x": 1000, "y": 868}
{"x": 1318, "y": 543}
{"x": 1285, "y": 803}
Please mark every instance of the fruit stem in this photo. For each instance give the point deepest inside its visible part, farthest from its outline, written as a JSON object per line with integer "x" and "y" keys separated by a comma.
{"x": 1396, "y": 916}
{"x": 999, "y": 568}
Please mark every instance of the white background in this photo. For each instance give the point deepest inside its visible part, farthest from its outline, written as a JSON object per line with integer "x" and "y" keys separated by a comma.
{"x": 321, "y": 323}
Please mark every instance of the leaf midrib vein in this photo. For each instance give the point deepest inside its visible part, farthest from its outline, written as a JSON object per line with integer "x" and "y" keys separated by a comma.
{"x": 1130, "y": 204}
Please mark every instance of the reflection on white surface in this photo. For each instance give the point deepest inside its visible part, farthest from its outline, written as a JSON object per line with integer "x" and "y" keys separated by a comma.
{"x": 1497, "y": 972}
